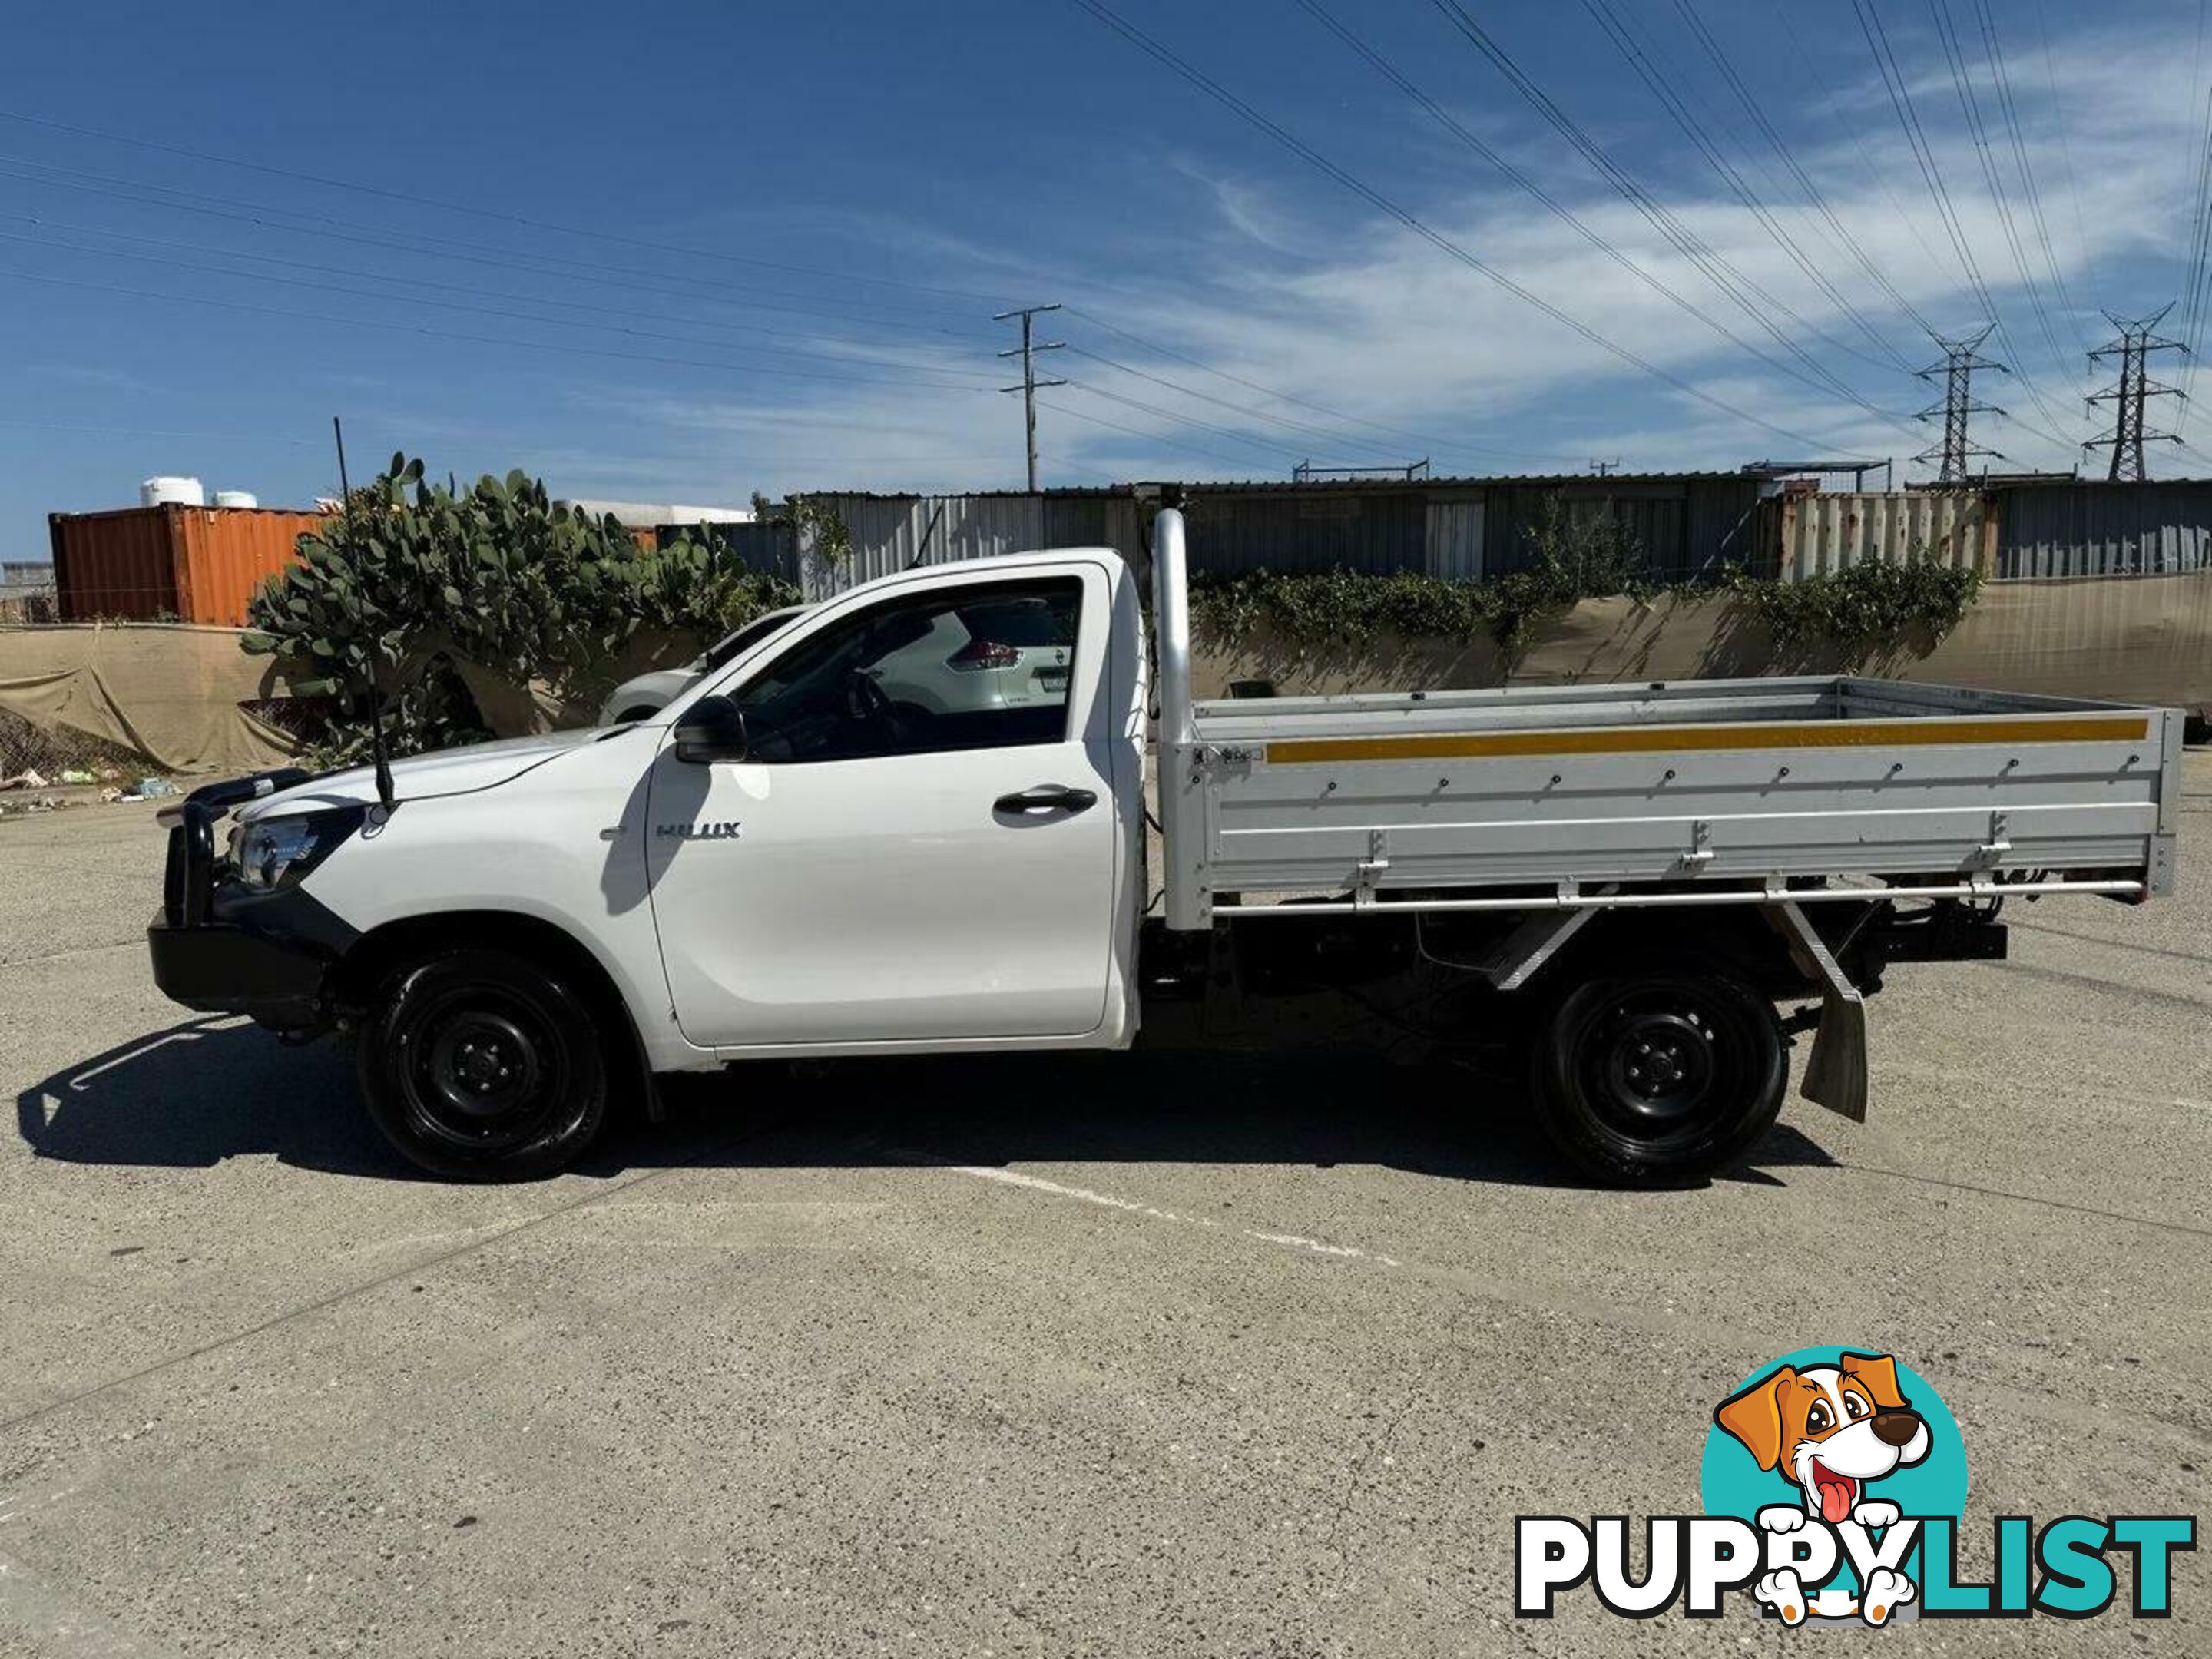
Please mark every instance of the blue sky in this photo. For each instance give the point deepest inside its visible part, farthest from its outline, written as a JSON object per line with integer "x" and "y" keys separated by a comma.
{"x": 682, "y": 252}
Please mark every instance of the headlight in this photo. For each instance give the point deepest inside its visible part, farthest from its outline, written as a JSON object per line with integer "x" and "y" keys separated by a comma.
{"x": 271, "y": 852}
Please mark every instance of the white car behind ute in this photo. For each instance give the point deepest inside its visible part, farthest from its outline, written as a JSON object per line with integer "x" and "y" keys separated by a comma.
{"x": 997, "y": 654}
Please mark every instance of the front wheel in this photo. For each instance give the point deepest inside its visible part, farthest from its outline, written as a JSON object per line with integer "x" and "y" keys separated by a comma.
{"x": 1660, "y": 1074}
{"x": 479, "y": 1066}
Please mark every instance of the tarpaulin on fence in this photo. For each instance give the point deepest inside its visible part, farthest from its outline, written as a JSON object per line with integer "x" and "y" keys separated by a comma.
{"x": 168, "y": 692}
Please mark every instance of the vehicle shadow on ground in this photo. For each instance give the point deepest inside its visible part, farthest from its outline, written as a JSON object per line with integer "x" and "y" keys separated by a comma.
{"x": 202, "y": 1091}
{"x": 213, "y": 1088}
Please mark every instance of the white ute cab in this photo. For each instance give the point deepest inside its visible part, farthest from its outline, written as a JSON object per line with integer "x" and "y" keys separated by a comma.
{"x": 911, "y": 821}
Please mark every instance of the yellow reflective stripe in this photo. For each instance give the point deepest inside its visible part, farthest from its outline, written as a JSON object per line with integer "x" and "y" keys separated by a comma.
{"x": 1667, "y": 739}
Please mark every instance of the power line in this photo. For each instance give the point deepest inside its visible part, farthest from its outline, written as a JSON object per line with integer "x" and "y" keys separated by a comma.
{"x": 1437, "y": 444}
{"x": 1825, "y": 383}
{"x": 2197, "y": 284}
{"x": 159, "y": 432}
{"x": 1196, "y": 425}
{"x": 2066, "y": 146}
{"x": 1137, "y": 432}
{"x": 525, "y": 445}
{"x": 615, "y": 277}
{"x": 431, "y": 283}
{"x": 1732, "y": 283}
{"x": 1970, "y": 105}
{"x": 1915, "y": 138}
{"x": 522, "y": 221}
{"x": 1616, "y": 29}
{"x": 1444, "y": 244}
{"x": 443, "y": 305}
{"x": 1853, "y": 246}
{"x": 1221, "y": 402}
{"x": 537, "y": 300}
{"x": 2194, "y": 453}
{"x": 1848, "y": 122}
{"x": 1923, "y": 154}
{"x": 556, "y": 266}
{"x": 1066, "y": 465}
{"x": 2010, "y": 109}
{"x": 475, "y": 339}
{"x": 589, "y": 273}
{"x": 1955, "y": 57}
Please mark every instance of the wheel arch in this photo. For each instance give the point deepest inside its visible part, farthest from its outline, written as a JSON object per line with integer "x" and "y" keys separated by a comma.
{"x": 1732, "y": 936}
{"x": 386, "y": 948}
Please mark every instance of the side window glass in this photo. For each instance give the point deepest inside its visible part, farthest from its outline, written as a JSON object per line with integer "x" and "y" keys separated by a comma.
{"x": 984, "y": 666}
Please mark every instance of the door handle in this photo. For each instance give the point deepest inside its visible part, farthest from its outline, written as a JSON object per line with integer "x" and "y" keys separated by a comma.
{"x": 1045, "y": 798}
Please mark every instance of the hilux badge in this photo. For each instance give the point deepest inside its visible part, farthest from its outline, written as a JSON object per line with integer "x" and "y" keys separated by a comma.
{"x": 724, "y": 830}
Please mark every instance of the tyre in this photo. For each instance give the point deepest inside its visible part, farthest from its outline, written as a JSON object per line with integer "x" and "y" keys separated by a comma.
{"x": 480, "y": 1066}
{"x": 1660, "y": 1074}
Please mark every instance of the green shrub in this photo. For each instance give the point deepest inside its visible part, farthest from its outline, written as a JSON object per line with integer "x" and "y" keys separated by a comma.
{"x": 1862, "y": 614}
{"x": 1861, "y": 611}
{"x": 415, "y": 580}
{"x": 1571, "y": 558}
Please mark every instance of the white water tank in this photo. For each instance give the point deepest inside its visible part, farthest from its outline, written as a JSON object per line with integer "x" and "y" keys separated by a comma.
{"x": 171, "y": 491}
{"x": 236, "y": 498}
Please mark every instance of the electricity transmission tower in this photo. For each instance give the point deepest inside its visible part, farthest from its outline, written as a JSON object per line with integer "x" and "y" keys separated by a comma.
{"x": 2132, "y": 391}
{"x": 1027, "y": 352}
{"x": 1961, "y": 359}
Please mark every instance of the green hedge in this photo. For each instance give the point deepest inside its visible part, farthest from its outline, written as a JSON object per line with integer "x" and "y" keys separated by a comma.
{"x": 1860, "y": 612}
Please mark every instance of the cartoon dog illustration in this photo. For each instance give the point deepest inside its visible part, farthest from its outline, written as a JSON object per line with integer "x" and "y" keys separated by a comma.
{"x": 1832, "y": 1428}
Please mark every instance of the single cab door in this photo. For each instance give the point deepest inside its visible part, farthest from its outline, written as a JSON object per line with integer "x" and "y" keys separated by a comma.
{"x": 922, "y": 844}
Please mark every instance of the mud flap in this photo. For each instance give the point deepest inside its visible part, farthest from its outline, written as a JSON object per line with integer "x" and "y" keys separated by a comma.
{"x": 1836, "y": 1072}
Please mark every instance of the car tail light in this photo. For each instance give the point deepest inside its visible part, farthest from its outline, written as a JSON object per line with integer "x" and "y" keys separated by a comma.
{"x": 979, "y": 654}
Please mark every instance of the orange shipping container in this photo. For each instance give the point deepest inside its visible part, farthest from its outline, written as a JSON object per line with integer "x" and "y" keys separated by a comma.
{"x": 197, "y": 564}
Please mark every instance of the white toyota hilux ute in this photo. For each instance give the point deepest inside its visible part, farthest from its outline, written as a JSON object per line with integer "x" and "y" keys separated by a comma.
{"x": 1596, "y": 896}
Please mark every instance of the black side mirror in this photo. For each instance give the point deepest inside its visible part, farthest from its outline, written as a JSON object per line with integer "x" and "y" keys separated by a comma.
{"x": 712, "y": 729}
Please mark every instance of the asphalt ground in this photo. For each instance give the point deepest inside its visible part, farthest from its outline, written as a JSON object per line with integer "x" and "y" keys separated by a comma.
{"x": 1110, "y": 1355}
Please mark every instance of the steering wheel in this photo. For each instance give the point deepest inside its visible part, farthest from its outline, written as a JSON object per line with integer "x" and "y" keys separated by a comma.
{"x": 865, "y": 700}
{"x": 870, "y": 707}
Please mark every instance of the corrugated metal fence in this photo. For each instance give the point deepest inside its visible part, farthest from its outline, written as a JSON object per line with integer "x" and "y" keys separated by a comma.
{"x": 770, "y": 549}
{"x": 2084, "y": 529}
{"x": 2105, "y": 530}
{"x": 1688, "y": 529}
{"x": 1684, "y": 528}
{"x": 1305, "y": 531}
{"x": 892, "y": 533}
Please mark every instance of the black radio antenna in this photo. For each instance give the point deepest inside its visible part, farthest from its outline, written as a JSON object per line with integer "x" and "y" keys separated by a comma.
{"x": 376, "y": 749}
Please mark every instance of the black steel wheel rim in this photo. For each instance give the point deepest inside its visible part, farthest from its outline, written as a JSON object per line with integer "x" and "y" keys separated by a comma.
{"x": 483, "y": 1069}
{"x": 1659, "y": 1064}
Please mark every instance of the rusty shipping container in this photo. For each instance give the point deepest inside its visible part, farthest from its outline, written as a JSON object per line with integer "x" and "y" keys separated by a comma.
{"x": 1820, "y": 534}
{"x": 198, "y": 564}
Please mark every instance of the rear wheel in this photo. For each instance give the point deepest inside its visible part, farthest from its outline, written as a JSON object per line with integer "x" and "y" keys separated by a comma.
{"x": 479, "y": 1066}
{"x": 1660, "y": 1074}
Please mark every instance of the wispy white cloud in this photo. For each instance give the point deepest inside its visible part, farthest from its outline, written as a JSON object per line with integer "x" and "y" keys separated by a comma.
{"x": 1307, "y": 295}
{"x": 99, "y": 376}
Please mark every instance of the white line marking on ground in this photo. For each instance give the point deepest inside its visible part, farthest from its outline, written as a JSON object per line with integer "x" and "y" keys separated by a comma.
{"x": 1107, "y": 1201}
